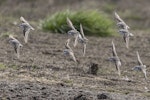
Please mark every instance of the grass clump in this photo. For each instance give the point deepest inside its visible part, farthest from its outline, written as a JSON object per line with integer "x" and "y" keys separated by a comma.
{"x": 93, "y": 22}
{"x": 2, "y": 66}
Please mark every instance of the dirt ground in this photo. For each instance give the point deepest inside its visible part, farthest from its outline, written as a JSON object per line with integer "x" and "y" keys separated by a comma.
{"x": 44, "y": 73}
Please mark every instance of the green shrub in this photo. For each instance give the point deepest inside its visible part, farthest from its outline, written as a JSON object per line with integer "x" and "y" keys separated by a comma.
{"x": 93, "y": 22}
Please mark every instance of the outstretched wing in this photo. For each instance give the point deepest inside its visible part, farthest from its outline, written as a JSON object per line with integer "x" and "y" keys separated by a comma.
{"x": 118, "y": 17}
{"x": 70, "y": 24}
{"x": 76, "y": 40}
{"x": 82, "y": 33}
{"x": 67, "y": 45}
{"x": 126, "y": 39}
{"x": 139, "y": 59}
{"x": 84, "y": 49}
{"x": 73, "y": 56}
{"x": 25, "y": 21}
{"x": 114, "y": 49}
{"x": 26, "y": 35}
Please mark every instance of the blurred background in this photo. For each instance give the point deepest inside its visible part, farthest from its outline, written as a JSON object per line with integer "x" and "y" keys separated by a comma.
{"x": 135, "y": 12}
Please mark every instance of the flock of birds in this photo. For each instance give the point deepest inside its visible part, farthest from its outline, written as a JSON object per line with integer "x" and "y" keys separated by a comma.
{"x": 79, "y": 37}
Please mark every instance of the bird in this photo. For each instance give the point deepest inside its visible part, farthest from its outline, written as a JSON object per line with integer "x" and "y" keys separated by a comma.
{"x": 140, "y": 66}
{"x": 81, "y": 39}
{"x": 69, "y": 51}
{"x": 26, "y": 27}
{"x": 73, "y": 30}
{"x": 16, "y": 44}
{"x": 126, "y": 35}
{"x": 120, "y": 22}
{"x": 115, "y": 59}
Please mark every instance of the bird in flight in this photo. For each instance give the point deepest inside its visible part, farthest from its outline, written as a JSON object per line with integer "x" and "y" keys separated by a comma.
{"x": 140, "y": 66}
{"x": 115, "y": 59}
{"x": 126, "y": 36}
{"x": 81, "y": 39}
{"x": 69, "y": 51}
{"x": 73, "y": 32}
{"x": 121, "y": 24}
{"x": 16, "y": 44}
{"x": 26, "y": 27}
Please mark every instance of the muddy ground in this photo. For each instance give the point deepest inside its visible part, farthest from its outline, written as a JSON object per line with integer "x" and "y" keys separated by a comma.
{"x": 44, "y": 73}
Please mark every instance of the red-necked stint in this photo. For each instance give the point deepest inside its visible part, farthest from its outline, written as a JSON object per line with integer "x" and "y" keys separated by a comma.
{"x": 115, "y": 59}
{"x": 26, "y": 28}
{"x": 16, "y": 44}
{"x": 120, "y": 22}
{"x": 82, "y": 39}
{"x": 73, "y": 30}
{"x": 69, "y": 51}
{"x": 126, "y": 36}
{"x": 140, "y": 66}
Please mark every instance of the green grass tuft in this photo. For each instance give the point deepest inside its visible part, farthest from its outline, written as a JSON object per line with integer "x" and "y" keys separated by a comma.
{"x": 93, "y": 22}
{"x": 2, "y": 66}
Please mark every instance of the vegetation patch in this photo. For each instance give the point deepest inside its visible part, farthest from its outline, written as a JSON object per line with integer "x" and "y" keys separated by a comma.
{"x": 93, "y": 22}
{"x": 2, "y": 66}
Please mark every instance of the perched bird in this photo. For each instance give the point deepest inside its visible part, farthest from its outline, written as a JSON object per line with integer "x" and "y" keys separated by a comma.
{"x": 16, "y": 44}
{"x": 26, "y": 28}
{"x": 120, "y": 22}
{"x": 69, "y": 51}
{"x": 140, "y": 66}
{"x": 81, "y": 39}
{"x": 115, "y": 59}
{"x": 126, "y": 35}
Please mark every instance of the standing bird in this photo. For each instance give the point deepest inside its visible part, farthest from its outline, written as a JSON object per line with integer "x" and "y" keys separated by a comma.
{"x": 140, "y": 66}
{"x": 115, "y": 59}
{"x": 120, "y": 22}
{"x": 126, "y": 35}
{"x": 26, "y": 28}
{"x": 69, "y": 51}
{"x": 16, "y": 44}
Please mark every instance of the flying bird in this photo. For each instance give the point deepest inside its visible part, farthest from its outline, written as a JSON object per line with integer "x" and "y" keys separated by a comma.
{"x": 120, "y": 22}
{"x": 26, "y": 28}
{"x": 82, "y": 39}
{"x": 69, "y": 51}
{"x": 16, "y": 44}
{"x": 140, "y": 66}
{"x": 126, "y": 36}
{"x": 115, "y": 59}
{"x": 73, "y": 30}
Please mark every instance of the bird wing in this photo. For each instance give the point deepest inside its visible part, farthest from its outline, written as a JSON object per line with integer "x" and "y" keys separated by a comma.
{"x": 73, "y": 56}
{"x": 67, "y": 45}
{"x": 18, "y": 51}
{"x": 114, "y": 49}
{"x": 76, "y": 40}
{"x": 126, "y": 39}
{"x": 139, "y": 59}
{"x": 14, "y": 42}
{"x": 118, "y": 17}
{"x": 82, "y": 33}
{"x": 70, "y": 24}
{"x": 26, "y": 33}
{"x": 84, "y": 49}
{"x": 25, "y": 21}
{"x": 144, "y": 71}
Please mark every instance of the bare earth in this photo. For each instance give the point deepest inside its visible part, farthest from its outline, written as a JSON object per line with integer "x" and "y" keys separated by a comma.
{"x": 44, "y": 73}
